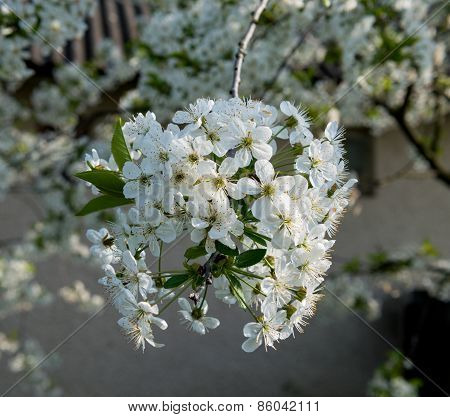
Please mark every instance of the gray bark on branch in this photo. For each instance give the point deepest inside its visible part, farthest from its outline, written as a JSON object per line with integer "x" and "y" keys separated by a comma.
{"x": 399, "y": 115}
{"x": 243, "y": 46}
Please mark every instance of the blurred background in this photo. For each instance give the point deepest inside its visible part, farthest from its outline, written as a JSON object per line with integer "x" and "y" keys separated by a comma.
{"x": 69, "y": 68}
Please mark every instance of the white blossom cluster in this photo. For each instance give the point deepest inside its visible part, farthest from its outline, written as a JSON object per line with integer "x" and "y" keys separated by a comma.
{"x": 18, "y": 288}
{"x": 55, "y": 22}
{"x": 357, "y": 293}
{"x": 364, "y": 287}
{"x": 187, "y": 55}
{"x": 27, "y": 357}
{"x": 389, "y": 380}
{"x": 82, "y": 298}
{"x": 422, "y": 273}
{"x": 261, "y": 216}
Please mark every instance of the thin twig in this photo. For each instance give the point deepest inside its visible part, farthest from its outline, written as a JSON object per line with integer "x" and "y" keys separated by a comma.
{"x": 440, "y": 173}
{"x": 399, "y": 115}
{"x": 243, "y": 45}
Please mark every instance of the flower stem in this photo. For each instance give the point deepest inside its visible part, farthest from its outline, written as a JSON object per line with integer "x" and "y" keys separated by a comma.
{"x": 176, "y": 296}
{"x": 243, "y": 301}
{"x": 283, "y": 153}
{"x": 165, "y": 295}
{"x": 290, "y": 172}
{"x": 285, "y": 164}
{"x": 180, "y": 272}
{"x": 248, "y": 274}
{"x": 251, "y": 286}
{"x": 204, "y": 296}
{"x": 276, "y": 134}
{"x": 284, "y": 158}
{"x": 160, "y": 255}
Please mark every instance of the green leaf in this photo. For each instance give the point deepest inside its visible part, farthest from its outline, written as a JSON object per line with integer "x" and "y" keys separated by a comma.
{"x": 236, "y": 289}
{"x": 256, "y": 237}
{"x": 108, "y": 182}
{"x": 119, "y": 147}
{"x": 249, "y": 258}
{"x": 267, "y": 238}
{"x": 195, "y": 252}
{"x": 103, "y": 202}
{"x": 176, "y": 281}
{"x": 225, "y": 250}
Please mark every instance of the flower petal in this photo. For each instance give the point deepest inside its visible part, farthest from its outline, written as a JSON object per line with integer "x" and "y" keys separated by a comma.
{"x": 248, "y": 186}
{"x": 129, "y": 261}
{"x": 210, "y": 322}
{"x": 262, "y": 133}
{"x": 262, "y": 151}
{"x": 131, "y": 189}
{"x": 198, "y": 327}
{"x": 131, "y": 171}
{"x": 250, "y": 345}
{"x": 182, "y": 117}
{"x": 184, "y": 304}
{"x": 264, "y": 170}
{"x": 285, "y": 183}
{"x": 228, "y": 167}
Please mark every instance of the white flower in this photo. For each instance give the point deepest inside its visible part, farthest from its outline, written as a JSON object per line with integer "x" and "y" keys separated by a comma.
{"x": 137, "y": 128}
{"x": 310, "y": 256}
{"x": 298, "y": 120}
{"x": 335, "y": 135}
{"x": 138, "y": 177}
{"x": 195, "y": 317}
{"x": 216, "y": 184}
{"x": 190, "y": 150}
{"x": 139, "y": 332}
{"x": 135, "y": 278}
{"x": 110, "y": 280}
{"x": 251, "y": 141}
{"x": 103, "y": 245}
{"x": 279, "y": 288}
{"x": 222, "y": 290}
{"x": 316, "y": 161}
{"x": 138, "y": 320}
{"x": 269, "y": 188}
{"x": 298, "y": 191}
{"x": 214, "y": 221}
{"x": 266, "y": 330}
{"x": 192, "y": 117}
{"x": 94, "y": 161}
{"x": 183, "y": 179}
{"x": 286, "y": 223}
{"x": 150, "y": 228}
{"x": 296, "y": 319}
{"x": 157, "y": 146}
{"x": 215, "y": 133}
{"x": 315, "y": 204}
{"x": 180, "y": 215}
{"x": 159, "y": 152}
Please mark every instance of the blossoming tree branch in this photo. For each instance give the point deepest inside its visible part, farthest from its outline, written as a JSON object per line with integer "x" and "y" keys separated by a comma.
{"x": 260, "y": 221}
